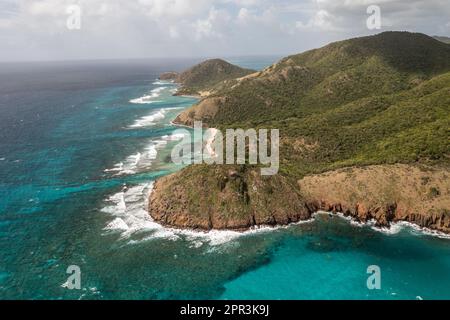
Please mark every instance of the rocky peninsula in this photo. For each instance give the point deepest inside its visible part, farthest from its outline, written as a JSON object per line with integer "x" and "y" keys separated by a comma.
{"x": 364, "y": 132}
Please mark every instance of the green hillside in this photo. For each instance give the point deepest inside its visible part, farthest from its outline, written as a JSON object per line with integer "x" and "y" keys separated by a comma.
{"x": 332, "y": 76}
{"x": 370, "y": 100}
{"x": 410, "y": 126}
{"x": 208, "y": 74}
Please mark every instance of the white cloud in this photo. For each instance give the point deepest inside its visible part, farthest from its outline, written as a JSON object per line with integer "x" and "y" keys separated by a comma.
{"x": 36, "y": 29}
{"x": 174, "y": 33}
{"x": 174, "y": 8}
{"x": 322, "y": 20}
{"x": 214, "y": 26}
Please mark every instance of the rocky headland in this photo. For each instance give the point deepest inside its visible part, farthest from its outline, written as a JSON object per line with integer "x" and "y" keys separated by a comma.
{"x": 201, "y": 80}
{"x": 239, "y": 198}
{"x": 364, "y": 128}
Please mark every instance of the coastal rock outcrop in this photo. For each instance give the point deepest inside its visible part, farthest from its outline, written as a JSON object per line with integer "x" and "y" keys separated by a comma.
{"x": 203, "y": 111}
{"x": 238, "y": 198}
{"x": 201, "y": 80}
{"x": 385, "y": 194}
{"x": 225, "y": 197}
{"x": 166, "y": 76}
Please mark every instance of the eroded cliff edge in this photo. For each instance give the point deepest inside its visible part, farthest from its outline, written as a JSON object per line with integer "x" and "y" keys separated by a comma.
{"x": 238, "y": 198}
{"x": 385, "y": 193}
{"x": 225, "y": 197}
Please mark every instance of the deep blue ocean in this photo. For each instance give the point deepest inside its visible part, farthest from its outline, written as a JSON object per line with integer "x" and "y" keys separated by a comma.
{"x": 81, "y": 144}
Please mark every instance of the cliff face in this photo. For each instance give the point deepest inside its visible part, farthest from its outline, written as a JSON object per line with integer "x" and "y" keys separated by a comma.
{"x": 204, "y": 111}
{"x": 386, "y": 194}
{"x": 238, "y": 199}
{"x": 225, "y": 197}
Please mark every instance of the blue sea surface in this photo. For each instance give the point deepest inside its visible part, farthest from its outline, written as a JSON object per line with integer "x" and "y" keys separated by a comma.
{"x": 81, "y": 144}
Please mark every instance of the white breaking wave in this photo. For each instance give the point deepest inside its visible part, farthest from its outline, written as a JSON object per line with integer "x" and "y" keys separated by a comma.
{"x": 143, "y": 160}
{"x": 413, "y": 228}
{"x": 128, "y": 208}
{"x": 117, "y": 224}
{"x": 394, "y": 228}
{"x": 139, "y": 161}
{"x": 149, "y": 98}
{"x": 149, "y": 120}
{"x": 130, "y": 215}
{"x": 162, "y": 82}
{"x": 144, "y": 100}
{"x": 152, "y": 119}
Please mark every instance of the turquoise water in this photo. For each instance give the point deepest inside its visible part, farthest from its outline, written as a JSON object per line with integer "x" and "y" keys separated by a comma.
{"x": 80, "y": 145}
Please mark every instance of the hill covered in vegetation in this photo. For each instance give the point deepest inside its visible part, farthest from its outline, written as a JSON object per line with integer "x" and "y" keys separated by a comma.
{"x": 378, "y": 100}
{"x": 204, "y": 77}
{"x": 442, "y": 39}
{"x": 340, "y": 73}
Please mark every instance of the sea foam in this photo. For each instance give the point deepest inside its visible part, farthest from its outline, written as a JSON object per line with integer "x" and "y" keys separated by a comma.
{"x": 393, "y": 229}
{"x": 138, "y": 162}
{"x": 144, "y": 159}
{"x": 149, "y": 98}
{"x": 149, "y": 120}
{"x": 162, "y": 83}
{"x": 128, "y": 209}
{"x": 152, "y": 119}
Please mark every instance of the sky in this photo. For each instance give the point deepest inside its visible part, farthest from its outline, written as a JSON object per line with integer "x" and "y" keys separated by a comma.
{"x": 112, "y": 29}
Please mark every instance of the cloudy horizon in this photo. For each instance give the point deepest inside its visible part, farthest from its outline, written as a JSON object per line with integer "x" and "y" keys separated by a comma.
{"x": 33, "y": 30}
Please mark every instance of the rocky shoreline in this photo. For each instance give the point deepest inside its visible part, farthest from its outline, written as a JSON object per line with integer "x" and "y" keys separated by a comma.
{"x": 230, "y": 198}
{"x": 385, "y": 194}
{"x": 241, "y": 201}
{"x": 385, "y": 217}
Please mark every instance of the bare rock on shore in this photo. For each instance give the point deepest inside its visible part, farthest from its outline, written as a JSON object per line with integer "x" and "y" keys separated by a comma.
{"x": 225, "y": 197}
{"x": 203, "y": 111}
{"x": 384, "y": 193}
{"x": 238, "y": 198}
